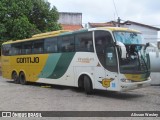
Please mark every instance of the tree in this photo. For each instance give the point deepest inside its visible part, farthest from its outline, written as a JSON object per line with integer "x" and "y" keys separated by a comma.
{"x": 22, "y": 18}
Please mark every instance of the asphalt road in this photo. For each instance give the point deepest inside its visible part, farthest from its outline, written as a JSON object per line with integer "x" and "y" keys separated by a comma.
{"x": 41, "y": 97}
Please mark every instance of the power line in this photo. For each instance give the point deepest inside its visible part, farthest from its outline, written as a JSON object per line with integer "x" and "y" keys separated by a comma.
{"x": 115, "y": 8}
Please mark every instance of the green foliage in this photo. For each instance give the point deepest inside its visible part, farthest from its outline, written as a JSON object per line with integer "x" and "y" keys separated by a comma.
{"x": 22, "y": 28}
{"x": 22, "y": 18}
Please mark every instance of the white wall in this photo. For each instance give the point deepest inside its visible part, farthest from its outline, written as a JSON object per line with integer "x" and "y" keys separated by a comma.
{"x": 70, "y": 18}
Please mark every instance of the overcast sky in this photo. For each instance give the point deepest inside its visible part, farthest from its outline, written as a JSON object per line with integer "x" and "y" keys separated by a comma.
{"x": 142, "y": 11}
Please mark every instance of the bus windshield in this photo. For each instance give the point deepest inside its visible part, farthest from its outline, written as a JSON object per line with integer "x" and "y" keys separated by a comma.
{"x": 136, "y": 61}
{"x": 129, "y": 38}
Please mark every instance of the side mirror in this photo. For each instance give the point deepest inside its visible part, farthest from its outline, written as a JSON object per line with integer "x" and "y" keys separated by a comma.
{"x": 123, "y": 49}
{"x": 154, "y": 46}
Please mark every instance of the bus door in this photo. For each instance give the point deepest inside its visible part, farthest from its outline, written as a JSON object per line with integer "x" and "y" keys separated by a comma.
{"x": 107, "y": 67}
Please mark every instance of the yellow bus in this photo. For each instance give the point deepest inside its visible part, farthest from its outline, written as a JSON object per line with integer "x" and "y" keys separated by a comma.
{"x": 107, "y": 58}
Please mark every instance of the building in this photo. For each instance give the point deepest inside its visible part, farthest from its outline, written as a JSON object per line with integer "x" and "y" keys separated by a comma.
{"x": 150, "y": 33}
{"x": 70, "y": 21}
{"x": 108, "y": 24}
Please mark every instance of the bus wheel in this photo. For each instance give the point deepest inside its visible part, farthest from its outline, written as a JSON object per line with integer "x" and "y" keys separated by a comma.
{"x": 22, "y": 78}
{"x": 15, "y": 78}
{"x": 88, "y": 85}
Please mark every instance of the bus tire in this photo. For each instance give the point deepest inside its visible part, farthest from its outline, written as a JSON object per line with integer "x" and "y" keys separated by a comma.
{"x": 81, "y": 82}
{"x": 88, "y": 85}
{"x": 22, "y": 78}
{"x": 15, "y": 78}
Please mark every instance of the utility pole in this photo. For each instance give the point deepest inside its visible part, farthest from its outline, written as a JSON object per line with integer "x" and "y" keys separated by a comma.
{"x": 119, "y": 21}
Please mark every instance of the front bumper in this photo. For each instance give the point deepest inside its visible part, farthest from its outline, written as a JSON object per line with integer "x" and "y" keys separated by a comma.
{"x": 134, "y": 85}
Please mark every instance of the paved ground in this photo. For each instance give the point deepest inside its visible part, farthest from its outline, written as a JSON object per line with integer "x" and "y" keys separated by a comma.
{"x": 36, "y": 97}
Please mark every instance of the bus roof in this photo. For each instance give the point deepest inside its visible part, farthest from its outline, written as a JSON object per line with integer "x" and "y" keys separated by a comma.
{"x": 39, "y": 36}
{"x": 67, "y": 32}
{"x": 116, "y": 29}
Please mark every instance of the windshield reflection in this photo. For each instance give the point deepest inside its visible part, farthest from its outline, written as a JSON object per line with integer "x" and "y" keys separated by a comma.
{"x": 136, "y": 61}
{"x": 128, "y": 37}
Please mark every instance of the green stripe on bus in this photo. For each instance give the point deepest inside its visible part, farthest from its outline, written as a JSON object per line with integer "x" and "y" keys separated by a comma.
{"x": 62, "y": 65}
{"x": 56, "y": 65}
{"x": 50, "y": 65}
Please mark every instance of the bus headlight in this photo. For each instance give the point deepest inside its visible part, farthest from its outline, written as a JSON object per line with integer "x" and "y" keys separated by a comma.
{"x": 125, "y": 80}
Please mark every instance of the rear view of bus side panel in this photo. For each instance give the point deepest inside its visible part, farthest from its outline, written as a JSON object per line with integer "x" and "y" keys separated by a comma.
{"x": 6, "y": 67}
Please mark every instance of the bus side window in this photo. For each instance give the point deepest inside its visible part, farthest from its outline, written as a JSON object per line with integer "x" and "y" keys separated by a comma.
{"x": 66, "y": 44}
{"x": 84, "y": 42}
{"x": 6, "y": 50}
{"x": 38, "y": 47}
{"x": 50, "y": 45}
{"x": 105, "y": 50}
{"x": 16, "y": 49}
{"x": 27, "y": 47}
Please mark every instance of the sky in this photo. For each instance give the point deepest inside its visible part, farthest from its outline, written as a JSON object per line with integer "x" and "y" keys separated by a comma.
{"x": 142, "y": 11}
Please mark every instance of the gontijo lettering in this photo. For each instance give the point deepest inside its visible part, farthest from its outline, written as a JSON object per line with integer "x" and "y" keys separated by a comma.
{"x": 28, "y": 60}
